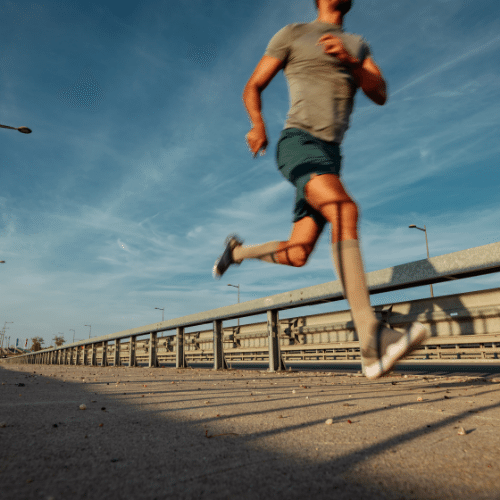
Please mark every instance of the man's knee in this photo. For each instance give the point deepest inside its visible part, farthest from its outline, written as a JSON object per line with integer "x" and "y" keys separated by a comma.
{"x": 294, "y": 255}
{"x": 345, "y": 222}
{"x": 350, "y": 212}
{"x": 299, "y": 256}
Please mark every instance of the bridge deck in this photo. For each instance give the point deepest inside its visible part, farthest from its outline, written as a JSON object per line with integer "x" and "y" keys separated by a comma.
{"x": 189, "y": 433}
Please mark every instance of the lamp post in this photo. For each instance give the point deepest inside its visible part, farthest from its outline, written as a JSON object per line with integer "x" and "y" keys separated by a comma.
{"x": 238, "y": 287}
{"x": 162, "y": 309}
{"x": 413, "y": 226}
{"x": 90, "y": 329}
{"x": 71, "y": 330}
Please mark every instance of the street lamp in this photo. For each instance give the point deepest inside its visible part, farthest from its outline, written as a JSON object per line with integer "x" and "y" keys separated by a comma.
{"x": 413, "y": 226}
{"x": 90, "y": 329}
{"x": 162, "y": 309}
{"x": 238, "y": 287}
{"x": 71, "y": 330}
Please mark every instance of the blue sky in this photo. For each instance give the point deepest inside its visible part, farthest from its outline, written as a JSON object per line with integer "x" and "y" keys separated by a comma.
{"x": 137, "y": 168}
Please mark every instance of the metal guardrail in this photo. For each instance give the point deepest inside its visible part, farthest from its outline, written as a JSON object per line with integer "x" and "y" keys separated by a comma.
{"x": 463, "y": 327}
{"x": 463, "y": 264}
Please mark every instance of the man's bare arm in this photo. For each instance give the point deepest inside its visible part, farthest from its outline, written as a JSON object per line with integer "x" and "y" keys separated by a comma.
{"x": 367, "y": 74}
{"x": 266, "y": 70}
{"x": 369, "y": 77}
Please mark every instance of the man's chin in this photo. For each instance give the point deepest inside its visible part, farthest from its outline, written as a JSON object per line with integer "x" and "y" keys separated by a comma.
{"x": 345, "y": 7}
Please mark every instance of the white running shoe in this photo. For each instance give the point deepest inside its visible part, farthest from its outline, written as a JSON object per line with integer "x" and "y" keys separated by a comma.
{"x": 379, "y": 360}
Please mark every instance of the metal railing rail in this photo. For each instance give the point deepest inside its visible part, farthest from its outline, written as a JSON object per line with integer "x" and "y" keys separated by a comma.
{"x": 457, "y": 265}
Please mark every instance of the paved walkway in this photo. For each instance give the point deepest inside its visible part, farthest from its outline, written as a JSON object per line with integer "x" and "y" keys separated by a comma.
{"x": 182, "y": 434}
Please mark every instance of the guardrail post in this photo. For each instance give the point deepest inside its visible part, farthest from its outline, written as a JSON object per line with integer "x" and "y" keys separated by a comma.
{"x": 180, "y": 359}
{"x": 153, "y": 361}
{"x": 131, "y": 354}
{"x": 93, "y": 355}
{"x": 275, "y": 360}
{"x": 104, "y": 360}
{"x": 117, "y": 352}
{"x": 219, "y": 361}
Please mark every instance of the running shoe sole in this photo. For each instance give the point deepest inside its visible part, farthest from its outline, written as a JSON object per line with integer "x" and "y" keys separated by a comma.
{"x": 408, "y": 343}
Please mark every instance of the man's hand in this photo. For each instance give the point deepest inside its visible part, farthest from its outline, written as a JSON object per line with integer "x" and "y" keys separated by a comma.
{"x": 366, "y": 74}
{"x": 257, "y": 140}
{"x": 333, "y": 45}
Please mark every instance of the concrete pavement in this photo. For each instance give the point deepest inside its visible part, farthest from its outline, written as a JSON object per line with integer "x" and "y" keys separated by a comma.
{"x": 167, "y": 433}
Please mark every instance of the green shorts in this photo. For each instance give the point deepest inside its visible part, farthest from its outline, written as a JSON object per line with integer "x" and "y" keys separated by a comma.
{"x": 299, "y": 154}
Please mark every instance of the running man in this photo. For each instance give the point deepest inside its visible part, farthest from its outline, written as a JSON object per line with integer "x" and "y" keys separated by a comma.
{"x": 324, "y": 67}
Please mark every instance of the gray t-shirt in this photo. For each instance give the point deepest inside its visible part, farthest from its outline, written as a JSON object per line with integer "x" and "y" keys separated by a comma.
{"x": 322, "y": 89}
